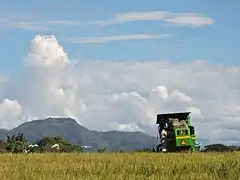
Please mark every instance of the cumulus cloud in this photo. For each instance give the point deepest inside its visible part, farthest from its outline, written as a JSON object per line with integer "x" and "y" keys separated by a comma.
{"x": 10, "y": 110}
{"x": 105, "y": 95}
{"x": 46, "y": 55}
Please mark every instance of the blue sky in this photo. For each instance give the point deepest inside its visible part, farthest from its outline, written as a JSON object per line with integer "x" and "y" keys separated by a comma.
{"x": 215, "y": 40}
{"x": 137, "y": 30}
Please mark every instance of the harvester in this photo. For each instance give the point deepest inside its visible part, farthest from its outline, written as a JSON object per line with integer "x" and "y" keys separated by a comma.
{"x": 176, "y": 133}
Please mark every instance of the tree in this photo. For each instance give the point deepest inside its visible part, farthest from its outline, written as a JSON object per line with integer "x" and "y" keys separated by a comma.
{"x": 47, "y": 142}
{"x": 2, "y": 146}
{"x": 220, "y": 148}
{"x": 16, "y": 143}
{"x": 101, "y": 150}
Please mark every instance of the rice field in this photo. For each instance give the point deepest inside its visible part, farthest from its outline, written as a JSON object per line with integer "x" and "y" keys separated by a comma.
{"x": 111, "y": 166}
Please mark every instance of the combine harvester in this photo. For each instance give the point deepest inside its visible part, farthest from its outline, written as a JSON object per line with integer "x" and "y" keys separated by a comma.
{"x": 176, "y": 133}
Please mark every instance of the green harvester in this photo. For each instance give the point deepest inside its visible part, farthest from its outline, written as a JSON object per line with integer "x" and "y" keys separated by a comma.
{"x": 180, "y": 133}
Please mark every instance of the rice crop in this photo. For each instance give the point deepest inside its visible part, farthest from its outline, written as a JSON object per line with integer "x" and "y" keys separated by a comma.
{"x": 111, "y": 166}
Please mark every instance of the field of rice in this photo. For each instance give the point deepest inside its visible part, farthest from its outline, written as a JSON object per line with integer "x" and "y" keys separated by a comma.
{"x": 110, "y": 166}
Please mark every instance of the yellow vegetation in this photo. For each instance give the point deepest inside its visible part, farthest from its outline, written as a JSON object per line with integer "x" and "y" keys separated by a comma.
{"x": 111, "y": 166}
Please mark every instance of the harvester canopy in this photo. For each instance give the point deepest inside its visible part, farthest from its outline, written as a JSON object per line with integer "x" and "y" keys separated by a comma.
{"x": 173, "y": 119}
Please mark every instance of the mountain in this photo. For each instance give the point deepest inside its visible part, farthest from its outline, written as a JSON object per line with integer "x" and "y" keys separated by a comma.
{"x": 3, "y": 133}
{"x": 70, "y": 130}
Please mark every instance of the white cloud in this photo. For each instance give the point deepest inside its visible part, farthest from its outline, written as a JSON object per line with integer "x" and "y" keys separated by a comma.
{"x": 106, "y": 39}
{"x": 183, "y": 19}
{"x": 62, "y": 22}
{"x": 45, "y": 53}
{"x": 170, "y": 18}
{"x": 10, "y": 111}
{"x": 105, "y": 95}
{"x": 7, "y": 22}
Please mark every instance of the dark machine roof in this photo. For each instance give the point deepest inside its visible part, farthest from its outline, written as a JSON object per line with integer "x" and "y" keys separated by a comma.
{"x": 181, "y": 115}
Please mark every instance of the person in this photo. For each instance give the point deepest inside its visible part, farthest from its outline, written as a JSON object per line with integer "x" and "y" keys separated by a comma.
{"x": 166, "y": 126}
{"x": 163, "y": 133}
{"x": 163, "y": 140}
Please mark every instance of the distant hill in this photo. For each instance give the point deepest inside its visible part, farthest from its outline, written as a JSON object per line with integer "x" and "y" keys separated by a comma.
{"x": 70, "y": 130}
{"x": 3, "y": 133}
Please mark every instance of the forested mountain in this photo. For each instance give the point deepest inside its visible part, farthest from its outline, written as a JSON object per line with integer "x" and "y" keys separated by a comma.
{"x": 70, "y": 130}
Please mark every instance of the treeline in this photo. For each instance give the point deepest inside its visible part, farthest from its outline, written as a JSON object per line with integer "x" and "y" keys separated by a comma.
{"x": 220, "y": 148}
{"x": 19, "y": 144}
{"x": 207, "y": 148}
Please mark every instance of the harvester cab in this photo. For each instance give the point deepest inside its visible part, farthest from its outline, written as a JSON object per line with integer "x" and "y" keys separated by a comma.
{"x": 175, "y": 132}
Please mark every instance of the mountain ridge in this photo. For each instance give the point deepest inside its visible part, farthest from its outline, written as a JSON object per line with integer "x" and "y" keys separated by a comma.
{"x": 71, "y": 130}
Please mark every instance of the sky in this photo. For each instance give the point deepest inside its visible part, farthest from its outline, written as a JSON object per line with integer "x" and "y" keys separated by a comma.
{"x": 114, "y": 65}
